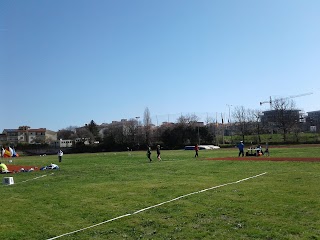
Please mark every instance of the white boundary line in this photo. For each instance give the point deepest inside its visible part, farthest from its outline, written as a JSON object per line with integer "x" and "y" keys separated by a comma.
{"x": 29, "y": 180}
{"x": 157, "y": 205}
{"x": 35, "y": 178}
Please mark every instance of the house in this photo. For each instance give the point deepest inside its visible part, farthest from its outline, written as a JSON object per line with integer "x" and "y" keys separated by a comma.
{"x": 24, "y": 134}
{"x": 63, "y": 143}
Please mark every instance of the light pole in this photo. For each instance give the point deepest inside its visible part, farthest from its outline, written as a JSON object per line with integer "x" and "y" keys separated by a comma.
{"x": 229, "y": 111}
{"x": 229, "y": 122}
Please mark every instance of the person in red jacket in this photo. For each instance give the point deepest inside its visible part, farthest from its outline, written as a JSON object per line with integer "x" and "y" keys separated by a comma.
{"x": 196, "y": 148}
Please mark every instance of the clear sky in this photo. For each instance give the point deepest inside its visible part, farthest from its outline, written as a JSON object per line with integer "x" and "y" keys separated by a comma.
{"x": 65, "y": 63}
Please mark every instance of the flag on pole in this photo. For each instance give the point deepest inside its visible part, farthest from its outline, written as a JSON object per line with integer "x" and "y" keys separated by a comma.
{"x": 221, "y": 118}
{"x": 11, "y": 151}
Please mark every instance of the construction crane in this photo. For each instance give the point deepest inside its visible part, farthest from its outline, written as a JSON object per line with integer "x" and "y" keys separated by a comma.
{"x": 270, "y": 102}
{"x": 293, "y": 96}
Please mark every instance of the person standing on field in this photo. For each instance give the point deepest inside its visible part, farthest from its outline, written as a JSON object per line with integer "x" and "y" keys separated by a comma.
{"x": 60, "y": 154}
{"x": 158, "y": 153}
{"x": 149, "y": 153}
{"x": 241, "y": 148}
{"x": 196, "y": 149}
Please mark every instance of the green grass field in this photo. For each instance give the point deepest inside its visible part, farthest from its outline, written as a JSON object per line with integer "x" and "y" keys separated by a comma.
{"x": 93, "y": 188}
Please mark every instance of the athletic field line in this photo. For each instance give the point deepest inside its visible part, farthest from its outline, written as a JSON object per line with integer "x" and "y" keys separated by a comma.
{"x": 30, "y": 179}
{"x": 157, "y": 205}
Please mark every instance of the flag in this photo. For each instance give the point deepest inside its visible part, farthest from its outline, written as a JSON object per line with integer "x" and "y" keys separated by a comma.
{"x": 221, "y": 118}
{"x": 11, "y": 151}
{"x": 6, "y": 153}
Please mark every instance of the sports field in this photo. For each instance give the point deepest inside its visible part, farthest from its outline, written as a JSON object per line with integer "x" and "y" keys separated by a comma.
{"x": 123, "y": 196}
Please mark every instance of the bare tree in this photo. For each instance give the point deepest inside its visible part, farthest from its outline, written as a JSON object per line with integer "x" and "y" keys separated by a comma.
{"x": 286, "y": 116}
{"x": 147, "y": 125}
{"x": 84, "y": 133}
{"x": 71, "y": 128}
{"x": 188, "y": 119}
{"x": 64, "y": 134}
{"x": 210, "y": 120}
{"x": 131, "y": 131}
{"x": 240, "y": 117}
{"x": 255, "y": 123}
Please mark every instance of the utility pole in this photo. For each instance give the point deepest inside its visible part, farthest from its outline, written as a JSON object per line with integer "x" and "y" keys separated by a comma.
{"x": 229, "y": 122}
{"x": 229, "y": 112}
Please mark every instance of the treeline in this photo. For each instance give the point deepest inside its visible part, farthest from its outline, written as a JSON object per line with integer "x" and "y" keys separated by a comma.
{"x": 243, "y": 124}
{"x": 246, "y": 126}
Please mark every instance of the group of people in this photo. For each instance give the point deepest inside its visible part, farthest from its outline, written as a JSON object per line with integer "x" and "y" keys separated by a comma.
{"x": 258, "y": 149}
{"x": 4, "y": 167}
{"x": 52, "y": 165}
{"x": 196, "y": 148}
{"x": 149, "y": 153}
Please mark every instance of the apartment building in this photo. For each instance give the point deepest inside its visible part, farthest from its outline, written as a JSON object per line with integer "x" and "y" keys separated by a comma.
{"x": 313, "y": 121}
{"x": 25, "y": 134}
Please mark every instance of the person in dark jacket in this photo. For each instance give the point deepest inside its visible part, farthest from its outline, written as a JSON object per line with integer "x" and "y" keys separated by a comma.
{"x": 149, "y": 153}
{"x": 241, "y": 148}
{"x": 158, "y": 153}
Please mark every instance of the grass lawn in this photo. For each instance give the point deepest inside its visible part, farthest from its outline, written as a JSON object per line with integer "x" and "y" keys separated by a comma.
{"x": 93, "y": 188}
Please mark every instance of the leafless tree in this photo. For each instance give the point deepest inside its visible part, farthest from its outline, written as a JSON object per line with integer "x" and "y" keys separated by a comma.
{"x": 64, "y": 134}
{"x": 147, "y": 125}
{"x": 286, "y": 117}
{"x": 254, "y": 122}
{"x": 71, "y": 128}
{"x": 240, "y": 116}
{"x": 84, "y": 133}
{"x": 188, "y": 119}
{"x": 131, "y": 131}
{"x": 210, "y": 120}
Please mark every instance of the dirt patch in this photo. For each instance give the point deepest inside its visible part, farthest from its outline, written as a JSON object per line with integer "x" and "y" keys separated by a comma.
{"x": 289, "y": 159}
{"x": 17, "y": 168}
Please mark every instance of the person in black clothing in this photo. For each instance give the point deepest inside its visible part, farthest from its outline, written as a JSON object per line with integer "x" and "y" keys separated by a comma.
{"x": 241, "y": 148}
{"x": 149, "y": 153}
{"x": 158, "y": 153}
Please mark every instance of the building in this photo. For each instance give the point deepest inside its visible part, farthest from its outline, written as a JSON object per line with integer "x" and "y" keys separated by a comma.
{"x": 25, "y": 134}
{"x": 3, "y": 138}
{"x": 313, "y": 117}
{"x": 313, "y": 121}
{"x": 273, "y": 116}
{"x": 63, "y": 143}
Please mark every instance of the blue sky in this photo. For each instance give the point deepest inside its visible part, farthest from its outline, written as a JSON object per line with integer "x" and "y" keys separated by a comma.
{"x": 65, "y": 63}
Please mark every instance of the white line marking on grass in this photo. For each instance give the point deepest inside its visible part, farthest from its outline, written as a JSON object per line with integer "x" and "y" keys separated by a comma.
{"x": 35, "y": 178}
{"x": 157, "y": 205}
{"x": 29, "y": 179}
